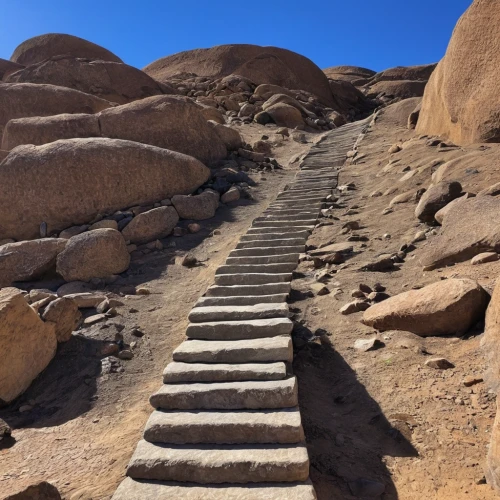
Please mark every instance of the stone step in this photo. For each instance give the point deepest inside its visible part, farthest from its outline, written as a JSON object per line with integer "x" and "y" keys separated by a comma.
{"x": 238, "y": 313}
{"x": 207, "y": 464}
{"x": 252, "y": 279}
{"x": 290, "y": 211}
{"x": 304, "y": 204}
{"x": 233, "y": 291}
{"x": 283, "y": 267}
{"x": 265, "y": 250}
{"x": 309, "y": 223}
{"x": 285, "y": 242}
{"x": 287, "y": 218}
{"x": 241, "y": 301}
{"x": 251, "y": 395}
{"x": 132, "y": 489}
{"x": 225, "y": 427}
{"x": 271, "y": 230}
{"x": 278, "y": 235}
{"x": 305, "y": 193}
{"x": 240, "y": 330}
{"x": 181, "y": 373}
{"x": 286, "y": 258}
{"x": 262, "y": 350}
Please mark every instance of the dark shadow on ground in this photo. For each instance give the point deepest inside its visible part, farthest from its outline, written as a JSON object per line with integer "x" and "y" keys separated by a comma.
{"x": 346, "y": 431}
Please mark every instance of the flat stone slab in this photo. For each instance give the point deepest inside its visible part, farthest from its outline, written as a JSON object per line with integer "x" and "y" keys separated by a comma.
{"x": 264, "y": 250}
{"x": 252, "y": 278}
{"x": 278, "y": 268}
{"x": 178, "y": 372}
{"x": 243, "y": 290}
{"x": 220, "y": 464}
{"x": 266, "y": 259}
{"x": 343, "y": 247}
{"x": 239, "y": 330}
{"x": 287, "y": 218}
{"x": 272, "y": 230}
{"x": 241, "y": 301}
{"x": 225, "y": 427}
{"x": 280, "y": 223}
{"x": 284, "y": 242}
{"x": 131, "y": 489}
{"x": 238, "y": 313}
{"x": 235, "y": 351}
{"x": 249, "y": 395}
{"x": 278, "y": 235}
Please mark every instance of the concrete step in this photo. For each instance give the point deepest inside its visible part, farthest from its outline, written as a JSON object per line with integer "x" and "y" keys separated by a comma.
{"x": 225, "y": 427}
{"x": 251, "y": 395}
{"x": 240, "y": 291}
{"x": 290, "y": 211}
{"x": 263, "y": 350}
{"x": 241, "y": 301}
{"x": 238, "y": 313}
{"x": 265, "y": 250}
{"x": 278, "y": 235}
{"x": 271, "y": 259}
{"x": 240, "y": 330}
{"x": 279, "y": 268}
{"x": 181, "y": 373}
{"x": 207, "y": 464}
{"x": 272, "y": 230}
{"x": 285, "y": 242}
{"x": 287, "y": 218}
{"x": 252, "y": 279}
{"x": 131, "y": 489}
{"x": 309, "y": 223}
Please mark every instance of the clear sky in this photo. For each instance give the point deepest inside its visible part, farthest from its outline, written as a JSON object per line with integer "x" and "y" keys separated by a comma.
{"x": 376, "y": 34}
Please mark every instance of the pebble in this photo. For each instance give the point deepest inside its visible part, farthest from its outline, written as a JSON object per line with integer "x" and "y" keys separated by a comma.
{"x": 439, "y": 363}
{"x": 354, "y": 307}
{"x": 91, "y": 320}
{"x": 126, "y": 354}
{"x": 472, "y": 380}
{"x": 366, "y": 345}
{"x": 143, "y": 291}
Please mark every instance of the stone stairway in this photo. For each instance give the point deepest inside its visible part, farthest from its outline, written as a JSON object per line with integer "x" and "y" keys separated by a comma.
{"x": 226, "y": 423}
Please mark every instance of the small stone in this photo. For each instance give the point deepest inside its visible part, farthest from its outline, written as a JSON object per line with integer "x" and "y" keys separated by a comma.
{"x": 472, "y": 380}
{"x": 358, "y": 294}
{"x": 143, "y": 291}
{"x": 91, "y": 320}
{"x": 379, "y": 287}
{"x": 179, "y": 231}
{"x": 25, "y": 408}
{"x": 386, "y": 236}
{"x": 377, "y": 296}
{"x": 137, "y": 332}
{"x": 387, "y": 211}
{"x": 194, "y": 228}
{"x": 420, "y": 236}
{"x": 231, "y": 196}
{"x": 396, "y": 148}
{"x": 439, "y": 363}
{"x": 5, "y": 430}
{"x": 354, "y": 307}
{"x": 189, "y": 260}
{"x": 365, "y": 288}
{"x": 103, "y": 306}
{"x": 366, "y": 345}
{"x": 484, "y": 257}
{"x": 126, "y": 354}
{"x": 215, "y": 232}
{"x": 109, "y": 349}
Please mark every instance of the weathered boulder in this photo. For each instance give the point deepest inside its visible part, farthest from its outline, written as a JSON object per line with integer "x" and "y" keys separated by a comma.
{"x": 95, "y": 254}
{"x": 213, "y": 114}
{"x": 233, "y": 194}
{"x": 443, "y": 212}
{"x": 415, "y": 73}
{"x": 151, "y": 225}
{"x": 349, "y": 99}
{"x": 6, "y": 67}
{"x": 113, "y": 81}
{"x": 39, "y": 491}
{"x": 348, "y": 73}
{"x": 258, "y": 64}
{"x": 199, "y": 207}
{"x": 71, "y": 181}
{"x": 65, "y": 315}
{"x": 27, "y": 344}
{"x": 436, "y": 198}
{"x": 447, "y": 307}
{"x": 461, "y": 101}
{"x": 285, "y": 115}
{"x": 403, "y": 89}
{"x": 266, "y": 90}
{"x": 42, "y": 130}
{"x": 28, "y": 260}
{"x": 230, "y": 137}
{"x": 286, "y": 99}
{"x": 42, "y": 47}
{"x": 20, "y": 100}
{"x": 469, "y": 229}
{"x": 167, "y": 122}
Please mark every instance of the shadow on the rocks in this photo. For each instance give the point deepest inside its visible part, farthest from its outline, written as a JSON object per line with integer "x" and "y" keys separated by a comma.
{"x": 63, "y": 391}
{"x": 346, "y": 431}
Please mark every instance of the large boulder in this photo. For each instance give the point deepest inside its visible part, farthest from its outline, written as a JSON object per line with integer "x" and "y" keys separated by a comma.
{"x": 415, "y": 73}
{"x": 38, "y": 491}
{"x": 167, "y": 122}
{"x": 286, "y": 99}
{"x": 28, "y": 260}
{"x": 200, "y": 207}
{"x": 230, "y": 137}
{"x": 40, "y": 130}
{"x": 403, "y": 89}
{"x": 461, "y": 100}
{"x": 469, "y": 228}
{"x": 259, "y": 64}
{"x": 285, "y": 115}
{"x": 447, "y": 307}
{"x": 436, "y": 198}
{"x": 65, "y": 315}
{"x": 349, "y": 99}
{"x": 27, "y": 344}
{"x": 71, "y": 181}
{"x": 95, "y": 254}
{"x": 20, "y": 100}
{"x": 151, "y": 225}
{"x": 349, "y": 74}
{"x": 114, "y": 81}
{"x": 42, "y": 47}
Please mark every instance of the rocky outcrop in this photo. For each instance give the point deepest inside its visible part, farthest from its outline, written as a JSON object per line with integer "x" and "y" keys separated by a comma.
{"x": 447, "y": 307}
{"x": 26, "y": 342}
{"x": 351, "y": 74}
{"x": 436, "y": 198}
{"x": 259, "y": 64}
{"x": 7, "y": 67}
{"x": 72, "y": 181}
{"x": 28, "y": 260}
{"x": 461, "y": 100}
{"x": 95, "y": 254}
{"x": 469, "y": 228}
{"x": 403, "y": 89}
{"x": 20, "y": 100}
{"x": 40, "y": 48}
{"x": 113, "y": 81}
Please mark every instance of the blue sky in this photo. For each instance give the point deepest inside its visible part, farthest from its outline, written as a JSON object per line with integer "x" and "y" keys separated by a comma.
{"x": 374, "y": 34}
